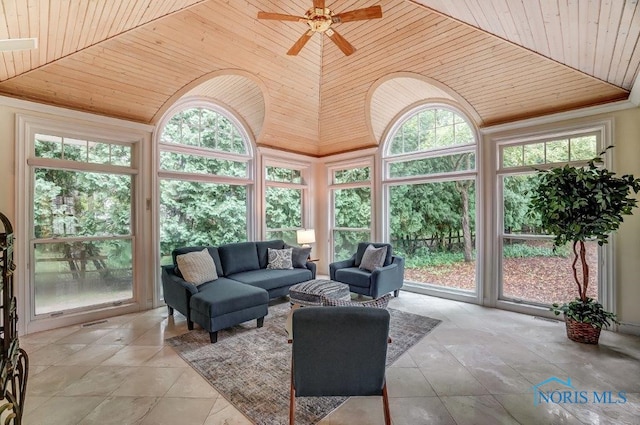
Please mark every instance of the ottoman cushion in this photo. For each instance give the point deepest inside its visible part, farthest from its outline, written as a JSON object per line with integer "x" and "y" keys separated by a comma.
{"x": 312, "y": 292}
{"x": 225, "y": 296}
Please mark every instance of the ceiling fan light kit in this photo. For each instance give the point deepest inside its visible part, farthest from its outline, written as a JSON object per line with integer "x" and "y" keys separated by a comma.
{"x": 13, "y": 44}
{"x": 320, "y": 19}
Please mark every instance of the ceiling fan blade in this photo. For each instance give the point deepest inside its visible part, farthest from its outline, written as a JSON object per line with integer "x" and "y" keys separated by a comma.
{"x": 372, "y": 12}
{"x": 295, "y": 49}
{"x": 280, "y": 17}
{"x": 340, "y": 41}
{"x": 18, "y": 44}
{"x": 318, "y": 4}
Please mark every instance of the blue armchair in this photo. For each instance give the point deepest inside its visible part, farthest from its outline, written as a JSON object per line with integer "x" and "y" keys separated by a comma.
{"x": 380, "y": 281}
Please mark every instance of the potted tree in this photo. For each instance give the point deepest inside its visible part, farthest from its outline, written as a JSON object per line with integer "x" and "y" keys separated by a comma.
{"x": 577, "y": 204}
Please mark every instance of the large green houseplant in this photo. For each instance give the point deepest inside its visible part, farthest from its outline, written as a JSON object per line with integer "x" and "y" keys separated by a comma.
{"x": 577, "y": 204}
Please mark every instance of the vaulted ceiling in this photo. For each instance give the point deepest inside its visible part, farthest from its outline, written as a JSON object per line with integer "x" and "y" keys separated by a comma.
{"x": 499, "y": 60}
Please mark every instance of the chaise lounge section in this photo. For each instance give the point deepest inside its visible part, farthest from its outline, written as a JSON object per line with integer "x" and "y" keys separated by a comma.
{"x": 243, "y": 287}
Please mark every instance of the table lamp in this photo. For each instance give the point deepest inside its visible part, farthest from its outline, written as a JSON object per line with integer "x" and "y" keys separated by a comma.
{"x": 305, "y": 237}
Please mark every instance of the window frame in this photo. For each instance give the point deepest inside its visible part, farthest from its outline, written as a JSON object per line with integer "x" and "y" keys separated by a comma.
{"x": 387, "y": 182}
{"x": 332, "y": 168}
{"x": 102, "y": 130}
{"x": 606, "y": 270}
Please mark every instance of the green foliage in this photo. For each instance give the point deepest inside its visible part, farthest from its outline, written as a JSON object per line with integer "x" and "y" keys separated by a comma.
{"x": 589, "y": 311}
{"x": 523, "y": 250}
{"x": 581, "y": 203}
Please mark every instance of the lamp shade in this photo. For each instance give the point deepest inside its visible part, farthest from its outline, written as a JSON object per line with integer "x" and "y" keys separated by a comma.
{"x": 306, "y": 236}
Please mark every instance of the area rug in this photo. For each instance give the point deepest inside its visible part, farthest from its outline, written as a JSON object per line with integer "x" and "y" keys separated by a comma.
{"x": 251, "y": 367}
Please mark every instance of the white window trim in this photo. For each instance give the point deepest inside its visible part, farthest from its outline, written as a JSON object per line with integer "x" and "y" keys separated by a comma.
{"x": 386, "y": 182}
{"x": 606, "y": 267}
{"x": 26, "y": 128}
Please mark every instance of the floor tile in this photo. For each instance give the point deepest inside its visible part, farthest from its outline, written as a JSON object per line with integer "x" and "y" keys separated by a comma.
{"x": 477, "y": 410}
{"x": 62, "y": 410}
{"x": 171, "y": 411}
{"x": 120, "y": 411}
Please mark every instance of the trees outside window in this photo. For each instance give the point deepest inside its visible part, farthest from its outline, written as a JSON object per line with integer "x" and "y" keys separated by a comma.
{"x": 531, "y": 271}
{"x": 205, "y": 179}
{"x": 82, "y": 234}
{"x": 285, "y": 195}
{"x": 429, "y": 179}
{"x": 351, "y": 202}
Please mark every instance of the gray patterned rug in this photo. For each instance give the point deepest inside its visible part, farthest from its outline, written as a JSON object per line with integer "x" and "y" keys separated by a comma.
{"x": 250, "y": 367}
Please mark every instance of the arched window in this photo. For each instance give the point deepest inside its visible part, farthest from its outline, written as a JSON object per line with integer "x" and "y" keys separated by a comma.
{"x": 205, "y": 178}
{"x": 429, "y": 183}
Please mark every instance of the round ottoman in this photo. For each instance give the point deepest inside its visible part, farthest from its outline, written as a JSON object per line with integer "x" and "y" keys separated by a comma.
{"x": 310, "y": 293}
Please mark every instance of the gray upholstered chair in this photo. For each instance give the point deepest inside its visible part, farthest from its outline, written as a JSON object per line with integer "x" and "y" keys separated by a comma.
{"x": 339, "y": 351}
{"x": 387, "y": 278}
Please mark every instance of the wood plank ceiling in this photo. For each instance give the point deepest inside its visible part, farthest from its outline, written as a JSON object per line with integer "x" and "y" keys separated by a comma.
{"x": 504, "y": 61}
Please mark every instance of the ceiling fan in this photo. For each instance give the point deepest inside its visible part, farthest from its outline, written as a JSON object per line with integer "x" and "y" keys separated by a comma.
{"x": 18, "y": 44}
{"x": 320, "y": 19}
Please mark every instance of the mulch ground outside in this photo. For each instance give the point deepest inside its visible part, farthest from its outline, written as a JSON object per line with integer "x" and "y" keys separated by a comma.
{"x": 539, "y": 279}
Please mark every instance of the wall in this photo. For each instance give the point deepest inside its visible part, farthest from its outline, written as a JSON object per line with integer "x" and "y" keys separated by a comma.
{"x": 7, "y": 162}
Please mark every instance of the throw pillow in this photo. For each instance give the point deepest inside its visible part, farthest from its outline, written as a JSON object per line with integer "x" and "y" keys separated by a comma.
{"x": 299, "y": 255}
{"x": 381, "y": 302}
{"x": 280, "y": 258}
{"x": 197, "y": 267}
{"x": 373, "y": 258}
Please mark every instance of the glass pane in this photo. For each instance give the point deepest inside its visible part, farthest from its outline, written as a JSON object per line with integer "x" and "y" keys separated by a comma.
{"x": 194, "y": 213}
{"x": 279, "y": 174}
{"x": 288, "y": 236}
{"x": 99, "y": 153}
{"x": 283, "y": 208}
{"x": 440, "y": 164}
{"x": 121, "y": 155}
{"x": 584, "y": 148}
{"x": 345, "y": 242}
{"x": 429, "y": 129}
{"x": 75, "y": 203}
{"x": 74, "y": 150}
{"x": 512, "y": 156}
{"x": 433, "y": 227}
{"x": 517, "y": 218}
{"x": 558, "y": 151}
{"x": 47, "y": 146}
{"x": 202, "y": 165}
{"x": 533, "y": 273}
{"x": 352, "y": 175}
{"x": 534, "y": 154}
{"x": 352, "y": 207}
{"x": 72, "y": 275}
{"x": 204, "y": 128}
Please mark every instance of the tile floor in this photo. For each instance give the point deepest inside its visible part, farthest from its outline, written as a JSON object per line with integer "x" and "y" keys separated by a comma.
{"x": 477, "y": 367}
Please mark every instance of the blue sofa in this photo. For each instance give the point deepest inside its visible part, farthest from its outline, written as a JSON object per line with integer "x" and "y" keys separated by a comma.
{"x": 242, "y": 290}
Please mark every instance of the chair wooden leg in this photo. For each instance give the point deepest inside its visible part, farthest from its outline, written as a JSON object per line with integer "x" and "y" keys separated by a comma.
{"x": 260, "y": 321}
{"x": 396, "y": 293}
{"x": 292, "y": 401}
{"x": 213, "y": 337}
{"x": 170, "y": 310}
{"x": 385, "y": 404}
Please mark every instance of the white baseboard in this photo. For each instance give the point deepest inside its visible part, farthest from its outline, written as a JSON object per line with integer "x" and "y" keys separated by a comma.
{"x": 629, "y": 328}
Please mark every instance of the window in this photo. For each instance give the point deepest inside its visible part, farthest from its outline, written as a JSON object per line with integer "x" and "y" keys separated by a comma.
{"x": 351, "y": 219}
{"x": 205, "y": 179}
{"x": 81, "y": 236}
{"x": 429, "y": 181}
{"x": 531, "y": 272}
{"x": 285, "y": 194}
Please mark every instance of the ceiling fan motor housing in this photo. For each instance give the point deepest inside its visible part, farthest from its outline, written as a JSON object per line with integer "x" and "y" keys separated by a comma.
{"x": 319, "y": 20}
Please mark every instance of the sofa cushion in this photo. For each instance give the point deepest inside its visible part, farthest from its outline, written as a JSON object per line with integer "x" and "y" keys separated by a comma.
{"x": 213, "y": 251}
{"x": 362, "y": 246}
{"x": 197, "y": 267}
{"x": 226, "y": 296}
{"x": 373, "y": 258}
{"x": 299, "y": 255}
{"x": 271, "y": 279}
{"x": 263, "y": 250}
{"x": 280, "y": 259}
{"x": 353, "y": 276}
{"x": 238, "y": 257}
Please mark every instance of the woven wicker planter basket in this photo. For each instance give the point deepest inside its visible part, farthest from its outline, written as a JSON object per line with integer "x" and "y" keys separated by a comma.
{"x": 582, "y": 332}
